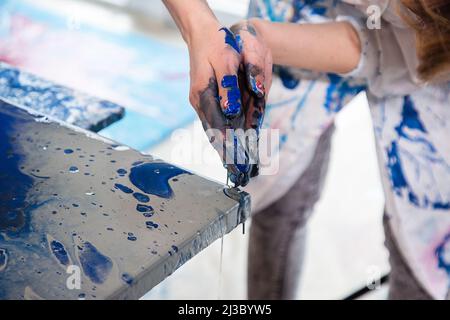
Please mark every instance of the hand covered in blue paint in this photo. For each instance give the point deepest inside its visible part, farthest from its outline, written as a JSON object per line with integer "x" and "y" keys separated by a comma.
{"x": 255, "y": 76}
{"x": 228, "y": 91}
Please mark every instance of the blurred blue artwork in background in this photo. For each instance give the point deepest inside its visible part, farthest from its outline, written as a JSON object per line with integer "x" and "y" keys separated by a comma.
{"x": 146, "y": 76}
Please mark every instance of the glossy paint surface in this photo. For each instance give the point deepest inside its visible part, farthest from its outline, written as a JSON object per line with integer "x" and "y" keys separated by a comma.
{"x": 124, "y": 221}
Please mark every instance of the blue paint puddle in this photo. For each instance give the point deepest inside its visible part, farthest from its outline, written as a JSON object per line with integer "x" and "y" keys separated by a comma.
{"x": 141, "y": 197}
{"x": 153, "y": 178}
{"x": 146, "y": 210}
{"x": 14, "y": 184}
{"x": 95, "y": 265}
{"x": 59, "y": 252}
{"x": 123, "y": 188}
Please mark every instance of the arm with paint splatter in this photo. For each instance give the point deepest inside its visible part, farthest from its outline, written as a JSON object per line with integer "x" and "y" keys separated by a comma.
{"x": 325, "y": 47}
{"x": 215, "y": 94}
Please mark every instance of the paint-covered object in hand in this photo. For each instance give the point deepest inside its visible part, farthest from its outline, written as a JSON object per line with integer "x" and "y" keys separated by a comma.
{"x": 115, "y": 231}
{"x": 57, "y": 101}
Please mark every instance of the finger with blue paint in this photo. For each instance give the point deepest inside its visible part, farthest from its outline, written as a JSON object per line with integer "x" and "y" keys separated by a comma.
{"x": 226, "y": 73}
{"x": 230, "y": 149}
{"x": 256, "y": 57}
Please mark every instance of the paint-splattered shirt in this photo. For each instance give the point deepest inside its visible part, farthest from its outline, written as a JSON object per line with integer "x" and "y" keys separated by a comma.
{"x": 411, "y": 124}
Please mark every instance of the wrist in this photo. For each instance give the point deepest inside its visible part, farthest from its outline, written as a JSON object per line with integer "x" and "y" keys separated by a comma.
{"x": 196, "y": 27}
{"x": 191, "y": 17}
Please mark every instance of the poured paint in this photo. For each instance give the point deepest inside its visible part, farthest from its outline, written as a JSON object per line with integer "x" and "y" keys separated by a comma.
{"x": 230, "y": 39}
{"x": 141, "y": 197}
{"x": 14, "y": 184}
{"x": 127, "y": 278}
{"x": 59, "y": 252}
{"x": 122, "y": 172}
{"x": 95, "y": 265}
{"x": 153, "y": 178}
{"x": 123, "y": 188}
{"x": 3, "y": 259}
{"x": 146, "y": 210}
{"x": 46, "y": 210}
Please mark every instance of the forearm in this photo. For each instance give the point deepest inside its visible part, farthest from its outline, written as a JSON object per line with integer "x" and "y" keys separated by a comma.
{"x": 191, "y": 16}
{"x": 326, "y": 47}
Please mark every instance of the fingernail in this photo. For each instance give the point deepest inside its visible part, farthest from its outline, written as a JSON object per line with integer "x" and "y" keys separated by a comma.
{"x": 257, "y": 87}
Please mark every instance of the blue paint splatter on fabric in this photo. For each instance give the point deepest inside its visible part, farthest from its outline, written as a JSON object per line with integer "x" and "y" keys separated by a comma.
{"x": 338, "y": 89}
{"x": 288, "y": 80}
{"x": 307, "y": 7}
{"x": 411, "y": 121}
{"x": 95, "y": 265}
{"x": 442, "y": 255}
{"x": 153, "y": 178}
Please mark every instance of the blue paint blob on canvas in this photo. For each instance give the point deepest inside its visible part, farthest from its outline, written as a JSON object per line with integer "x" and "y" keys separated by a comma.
{"x": 153, "y": 178}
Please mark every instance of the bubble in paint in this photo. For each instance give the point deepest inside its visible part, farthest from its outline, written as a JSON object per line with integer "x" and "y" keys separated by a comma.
{"x": 73, "y": 169}
{"x": 122, "y": 172}
{"x": 131, "y": 237}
